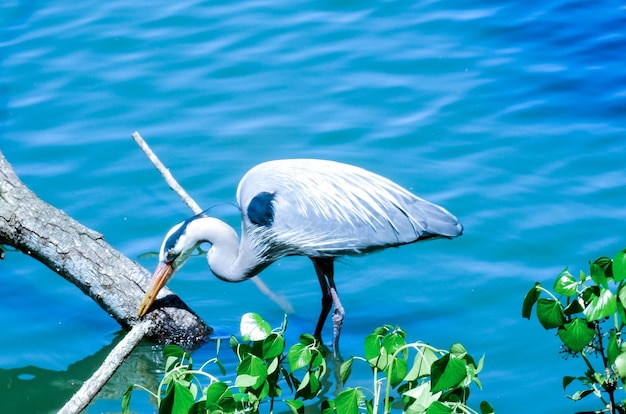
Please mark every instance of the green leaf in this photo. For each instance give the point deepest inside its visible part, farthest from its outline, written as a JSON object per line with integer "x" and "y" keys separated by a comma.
{"x": 621, "y": 293}
{"x": 193, "y": 388}
{"x": 199, "y": 407}
{"x": 397, "y": 371}
{"x": 458, "y": 350}
{"x": 299, "y": 356}
{"x": 307, "y": 339}
{"x": 175, "y": 356}
{"x": 579, "y": 395}
{"x": 481, "y": 363}
{"x": 246, "y": 381}
{"x": 621, "y": 312}
{"x": 372, "y": 347}
{"x": 263, "y": 391}
{"x": 567, "y": 380}
{"x": 273, "y": 346}
{"x": 620, "y": 365}
{"x": 254, "y": 328}
{"x": 486, "y": 408}
{"x": 576, "y": 335}
{"x": 382, "y": 330}
{"x": 550, "y": 313}
{"x": 421, "y": 364}
{"x": 589, "y": 292}
{"x": 375, "y": 353}
{"x": 574, "y": 307}
{"x": 254, "y": 367}
{"x": 597, "y": 275}
{"x": 346, "y": 370}
{"x": 601, "y": 306}
{"x": 317, "y": 359}
{"x": 126, "y": 400}
{"x": 447, "y": 372}
{"x": 530, "y": 299}
{"x": 612, "y": 348}
{"x": 217, "y": 392}
{"x": 606, "y": 264}
{"x": 175, "y": 351}
{"x": 233, "y": 342}
{"x": 393, "y": 342}
{"x": 328, "y": 407}
{"x": 423, "y": 397}
{"x": 619, "y": 266}
{"x": 309, "y": 387}
{"x": 565, "y": 284}
{"x": 348, "y": 400}
{"x": 178, "y": 400}
{"x": 296, "y": 406}
{"x": 221, "y": 367}
{"x": 437, "y": 407}
{"x": 273, "y": 365}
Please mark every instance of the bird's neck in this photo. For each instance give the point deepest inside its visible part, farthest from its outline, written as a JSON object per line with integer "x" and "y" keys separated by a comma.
{"x": 225, "y": 258}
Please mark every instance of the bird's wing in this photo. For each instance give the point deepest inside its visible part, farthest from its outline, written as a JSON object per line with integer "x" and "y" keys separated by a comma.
{"x": 322, "y": 208}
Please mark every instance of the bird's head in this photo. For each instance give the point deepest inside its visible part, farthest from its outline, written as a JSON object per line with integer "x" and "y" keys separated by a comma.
{"x": 178, "y": 244}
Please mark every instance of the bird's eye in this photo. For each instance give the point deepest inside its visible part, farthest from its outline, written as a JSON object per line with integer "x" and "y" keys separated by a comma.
{"x": 170, "y": 255}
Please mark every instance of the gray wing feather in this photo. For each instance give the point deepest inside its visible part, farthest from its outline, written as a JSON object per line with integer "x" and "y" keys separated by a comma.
{"x": 328, "y": 208}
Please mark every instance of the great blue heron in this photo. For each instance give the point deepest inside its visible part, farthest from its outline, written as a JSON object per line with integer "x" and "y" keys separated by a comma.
{"x": 315, "y": 208}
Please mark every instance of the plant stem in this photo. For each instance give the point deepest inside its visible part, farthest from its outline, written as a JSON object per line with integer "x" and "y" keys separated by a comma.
{"x": 376, "y": 390}
{"x": 417, "y": 346}
{"x": 547, "y": 292}
{"x": 613, "y": 408}
{"x": 601, "y": 346}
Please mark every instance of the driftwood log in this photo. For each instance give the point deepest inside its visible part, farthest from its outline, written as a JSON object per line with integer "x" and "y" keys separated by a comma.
{"x": 83, "y": 257}
{"x": 112, "y": 280}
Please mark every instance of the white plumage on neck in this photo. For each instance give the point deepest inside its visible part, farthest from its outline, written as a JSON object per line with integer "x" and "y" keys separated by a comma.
{"x": 223, "y": 256}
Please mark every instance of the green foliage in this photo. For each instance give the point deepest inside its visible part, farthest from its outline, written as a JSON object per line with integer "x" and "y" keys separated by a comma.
{"x": 417, "y": 377}
{"x": 588, "y": 314}
{"x": 423, "y": 379}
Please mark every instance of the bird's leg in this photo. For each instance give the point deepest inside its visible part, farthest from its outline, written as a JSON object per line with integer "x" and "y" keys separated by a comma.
{"x": 338, "y": 314}
{"x": 325, "y": 274}
{"x": 321, "y": 266}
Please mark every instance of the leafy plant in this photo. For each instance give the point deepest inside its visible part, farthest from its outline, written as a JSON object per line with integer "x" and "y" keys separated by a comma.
{"x": 425, "y": 379}
{"x": 179, "y": 388}
{"x": 262, "y": 365}
{"x": 588, "y": 314}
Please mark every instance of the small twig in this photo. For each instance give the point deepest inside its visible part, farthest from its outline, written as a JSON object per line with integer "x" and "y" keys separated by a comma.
{"x": 178, "y": 189}
{"x": 167, "y": 175}
{"x": 113, "y": 361}
{"x": 279, "y": 300}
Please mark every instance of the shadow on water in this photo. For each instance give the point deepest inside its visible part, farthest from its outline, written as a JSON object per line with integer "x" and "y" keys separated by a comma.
{"x": 37, "y": 390}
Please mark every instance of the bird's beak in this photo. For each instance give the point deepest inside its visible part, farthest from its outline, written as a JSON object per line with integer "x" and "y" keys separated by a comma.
{"x": 161, "y": 275}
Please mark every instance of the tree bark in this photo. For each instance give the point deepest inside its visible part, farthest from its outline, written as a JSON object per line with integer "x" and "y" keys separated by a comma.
{"x": 82, "y": 256}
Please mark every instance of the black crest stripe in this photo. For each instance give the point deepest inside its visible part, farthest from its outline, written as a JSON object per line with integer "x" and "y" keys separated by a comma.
{"x": 261, "y": 209}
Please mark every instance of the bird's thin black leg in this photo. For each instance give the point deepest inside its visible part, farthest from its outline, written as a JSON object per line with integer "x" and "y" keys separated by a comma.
{"x": 321, "y": 266}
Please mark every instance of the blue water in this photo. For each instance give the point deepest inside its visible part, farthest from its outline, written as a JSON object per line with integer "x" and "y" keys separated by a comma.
{"x": 512, "y": 115}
